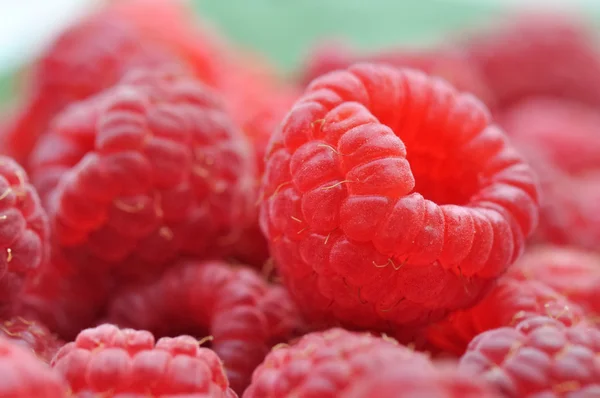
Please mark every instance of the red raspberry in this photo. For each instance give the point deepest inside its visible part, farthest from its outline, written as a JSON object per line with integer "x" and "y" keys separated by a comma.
{"x": 24, "y": 231}
{"x": 572, "y": 272}
{"x": 541, "y": 357}
{"x": 24, "y": 376}
{"x": 146, "y": 171}
{"x": 120, "y": 363}
{"x": 326, "y": 364}
{"x": 86, "y": 58}
{"x": 508, "y": 303}
{"x": 65, "y": 296}
{"x": 538, "y": 55}
{"x": 404, "y": 381}
{"x": 566, "y": 132}
{"x": 390, "y": 199}
{"x": 175, "y": 26}
{"x": 449, "y": 64}
{"x": 31, "y": 335}
{"x": 243, "y": 315}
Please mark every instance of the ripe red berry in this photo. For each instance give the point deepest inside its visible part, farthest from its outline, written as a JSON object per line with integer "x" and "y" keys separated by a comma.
{"x": 241, "y": 313}
{"x": 25, "y": 376}
{"x": 24, "y": 231}
{"x": 390, "y": 199}
{"x": 509, "y": 302}
{"x": 539, "y": 357}
{"x": 404, "y": 381}
{"x": 86, "y": 58}
{"x": 327, "y": 364}
{"x": 538, "y": 55}
{"x": 572, "y": 272}
{"x": 144, "y": 172}
{"x": 119, "y": 363}
{"x": 452, "y": 65}
{"x": 31, "y": 335}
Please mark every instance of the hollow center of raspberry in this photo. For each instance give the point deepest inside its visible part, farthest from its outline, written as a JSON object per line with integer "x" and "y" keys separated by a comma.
{"x": 440, "y": 175}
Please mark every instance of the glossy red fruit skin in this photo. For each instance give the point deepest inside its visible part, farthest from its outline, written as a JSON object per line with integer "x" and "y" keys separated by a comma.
{"x": 390, "y": 199}
{"x": 539, "y": 357}
{"x": 244, "y": 315}
{"x": 325, "y": 364}
{"x": 31, "y": 335}
{"x": 24, "y": 232}
{"x": 145, "y": 172}
{"x": 25, "y": 376}
{"x": 512, "y": 300}
{"x": 117, "y": 362}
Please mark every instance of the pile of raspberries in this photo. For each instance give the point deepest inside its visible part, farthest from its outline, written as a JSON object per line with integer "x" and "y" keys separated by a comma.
{"x": 177, "y": 220}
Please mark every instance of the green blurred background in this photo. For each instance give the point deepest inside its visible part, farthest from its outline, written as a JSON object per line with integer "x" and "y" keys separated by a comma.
{"x": 284, "y": 30}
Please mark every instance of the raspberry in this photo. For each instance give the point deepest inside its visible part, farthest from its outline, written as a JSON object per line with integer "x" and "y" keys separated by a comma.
{"x": 31, "y": 335}
{"x": 86, "y": 58}
{"x": 120, "y": 363}
{"x": 173, "y": 25}
{"x": 568, "y": 213}
{"x": 325, "y": 364}
{"x": 146, "y": 171}
{"x": 540, "y": 357}
{"x": 390, "y": 199}
{"x": 564, "y": 131}
{"x": 449, "y": 64}
{"x": 572, "y": 272}
{"x": 64, "y": 296}
{"x": 508, "y": 303}
{"x": 538, "y": 55}
{"x": 24, "y": 376}
{"x": 243, "y": 315}
{"x": 24, "y": 231}
{"x": 404, "y": 381}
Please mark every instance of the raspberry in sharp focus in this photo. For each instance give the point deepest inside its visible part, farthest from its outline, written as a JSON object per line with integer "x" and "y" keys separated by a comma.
{"x": 243, "y": 315}
{"x": 572, "y": 272}
{"x": 31, "y": 335}
{"x": 114, "y": 363}
{"x": 404, "y": 381}
{"x": 25, "y": 376}
{"x": 146, "y": 171}
{"x": 509, "y": 302}
{"x": 539, "y": 357}
{"x": 325, "y": 364}
{"x": 24, "y": 231}
{"x": 390, "y": 199}
{"x": 88, "y": 57}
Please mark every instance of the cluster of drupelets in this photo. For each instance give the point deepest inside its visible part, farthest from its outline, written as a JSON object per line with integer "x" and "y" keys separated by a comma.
{"x": 178, "y": 220}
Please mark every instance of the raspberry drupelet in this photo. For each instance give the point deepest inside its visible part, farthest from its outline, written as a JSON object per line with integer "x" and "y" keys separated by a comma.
{"x": 325, "y": 364}
{"x": 391, "y": 199}
{"x": 113, "y": 363}
{"x": 24, "y": 231}
{"x": 509, "y": 302}
{"x": 572, "y": 272}
{"x": 31, "y": 335}
{"x": 25, "y": 376}
{"x": 143, "y": 172}
{"x": 242, "y": 314}
{"x": 540, "y": 357}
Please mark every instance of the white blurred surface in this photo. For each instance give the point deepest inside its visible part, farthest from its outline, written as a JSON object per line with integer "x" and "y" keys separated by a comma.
{"x": 26, "y": 26}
